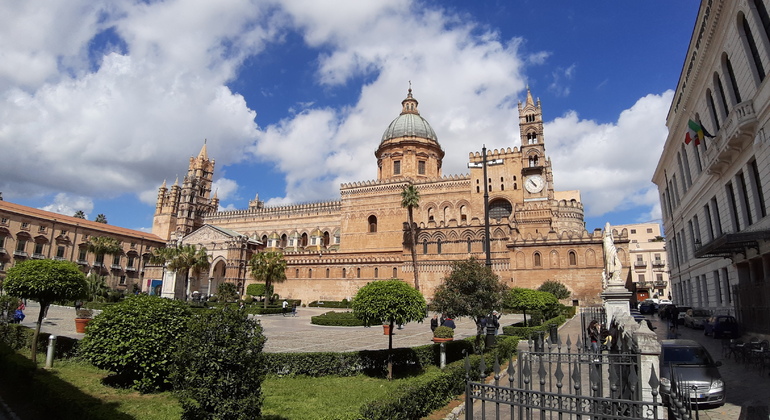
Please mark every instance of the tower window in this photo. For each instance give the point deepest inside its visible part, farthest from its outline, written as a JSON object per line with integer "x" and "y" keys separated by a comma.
{"x": 421, "y": 167}
{"x": 538, "y": 262}
{"x": 396, "y": 167}
{"x": 372, "y": 224}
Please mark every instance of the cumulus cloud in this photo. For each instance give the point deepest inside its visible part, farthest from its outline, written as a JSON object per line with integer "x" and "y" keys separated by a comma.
{"x": 68, "y": 205}
{"x": 611, "y": 164}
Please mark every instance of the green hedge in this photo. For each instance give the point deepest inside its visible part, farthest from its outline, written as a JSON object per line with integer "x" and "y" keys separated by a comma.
{"x": 339, "y": 319}
{"x": 529, "y": 332}
{"x": 18, "y": 337}
{"x": 329, "y": 304}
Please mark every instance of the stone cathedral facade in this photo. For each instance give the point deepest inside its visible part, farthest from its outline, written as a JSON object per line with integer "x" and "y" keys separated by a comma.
{"x": 333, "y": 248}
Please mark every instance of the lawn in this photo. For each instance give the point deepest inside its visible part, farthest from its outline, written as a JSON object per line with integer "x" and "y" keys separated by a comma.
{"x": 299, "y": 397}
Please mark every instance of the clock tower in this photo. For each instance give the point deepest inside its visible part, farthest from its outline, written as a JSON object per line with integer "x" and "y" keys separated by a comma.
{"x": 535, "y": 166}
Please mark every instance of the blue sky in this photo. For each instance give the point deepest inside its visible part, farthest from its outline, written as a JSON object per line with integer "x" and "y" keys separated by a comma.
{"x": 101, "y": 101}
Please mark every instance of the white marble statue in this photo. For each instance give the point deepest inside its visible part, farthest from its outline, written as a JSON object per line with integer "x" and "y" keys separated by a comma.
{"x": 612, "y": 266}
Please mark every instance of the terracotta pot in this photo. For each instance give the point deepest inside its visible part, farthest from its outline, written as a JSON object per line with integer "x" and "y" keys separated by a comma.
{"x": 80, "y": 324}
{"x": 441, "y": 340}
{"x": 386, "y": 329}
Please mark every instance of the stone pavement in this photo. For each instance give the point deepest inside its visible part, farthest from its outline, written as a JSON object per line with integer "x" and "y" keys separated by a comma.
{"x": 293, "y": 334}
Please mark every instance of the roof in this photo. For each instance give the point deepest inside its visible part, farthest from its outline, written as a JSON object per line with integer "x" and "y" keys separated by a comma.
{"x": 75, "y": 221}
{"x": 409, "y": 123}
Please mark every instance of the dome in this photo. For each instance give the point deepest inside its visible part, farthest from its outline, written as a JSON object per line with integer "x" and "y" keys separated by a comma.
{"x": 409, "y": 125}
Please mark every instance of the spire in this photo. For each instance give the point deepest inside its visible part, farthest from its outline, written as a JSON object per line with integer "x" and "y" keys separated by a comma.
{"x": 529, "y": 97}
{"x": 204, "y": 154}
{"x": 164, "y": 184}
{"x": 409, "y": 105}
{"x": 176, "y": 182}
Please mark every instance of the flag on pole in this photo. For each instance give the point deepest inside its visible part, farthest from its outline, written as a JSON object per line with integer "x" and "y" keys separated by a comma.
{"x": 695, "y": 132}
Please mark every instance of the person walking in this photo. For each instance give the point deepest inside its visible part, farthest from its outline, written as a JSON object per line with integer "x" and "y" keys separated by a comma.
{"x": 434, "y": 323}
{"x": 449, "y": 322}
{"x": 594, "y": 333}
{"x": 284, "y": 307}
{"x": 294, "y": 309}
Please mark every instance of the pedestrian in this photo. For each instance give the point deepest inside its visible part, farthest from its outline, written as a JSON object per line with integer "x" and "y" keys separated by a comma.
{"x": 449, "y": 322}
{"x": 294, "y": 309}
{"x": 434, "y": 323}
{"x": 19, "y": 316}
{"x": 78, "y": 304}
{"x": 594, "y": 333}
{"x": 494, "y": 321}
{"x": 284, "y": 306}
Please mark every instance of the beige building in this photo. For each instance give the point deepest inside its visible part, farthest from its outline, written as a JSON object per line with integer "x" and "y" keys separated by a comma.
{"x": 333, "y": 248}
{"x": 647, "y": 254}
{"x": 30, "y": 233}
{"x": 714, "y": 188}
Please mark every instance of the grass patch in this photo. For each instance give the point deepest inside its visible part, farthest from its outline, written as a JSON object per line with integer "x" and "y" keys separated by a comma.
{"x": 328, "y": 397}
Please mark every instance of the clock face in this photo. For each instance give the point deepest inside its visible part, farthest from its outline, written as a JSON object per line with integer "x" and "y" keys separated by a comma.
{"x": 534, "y": 184}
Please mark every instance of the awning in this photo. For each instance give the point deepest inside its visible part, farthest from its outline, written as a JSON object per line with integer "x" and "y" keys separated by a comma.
{"x": 730, "y": 244}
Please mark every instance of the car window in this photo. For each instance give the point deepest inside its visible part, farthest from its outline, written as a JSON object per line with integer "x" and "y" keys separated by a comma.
{"x": 686, "y": 356}
{"x": 727, "y": 320}
{"x": 700, "y": 313}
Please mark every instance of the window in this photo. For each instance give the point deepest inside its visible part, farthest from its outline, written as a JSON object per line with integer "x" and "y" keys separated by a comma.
{"x": 310, "y": 273}
{"x": 376, "y": 272}
{"x": 296, "y": 272}
{"x": 438, "y": 246}
{"x": 21, "y": 245}
{"x": 712, "y": 108}
{"x": 122, "y": 280}
{"x": 633, "y": 231}
{"x": 358, "y": 273}
{"x": 59, "y": 251}
{"x": 572, "y": 258}
{"x": 733, "y": 81}
{"x": 116, "y": 260}
{"x": 82, "y": 254}
{"x": 730, "y": 191}
{"x": 327, "y": 273}
{"x": 718, "y": 285}
{"x": 721, "y": 93}
{"x": 130, "y": 261}
{"x": 756, "y": 189}
{"x": 649, "y": 230}
{"x": 717, "y": 217}
{"x": 753, "y": 51}
{"x": 469, "y": 245}
{"x": 641, "y": 278}
{"x": 395, "y": 272}
{"x": 424, "y": 246}
{"x": 538, "y": 262}
{"x": 344, "y": 273}
{"x": 744, "y": 192}
{"x": 727, "y": 285}
{"x": 396, "y": 167}
{"x": 41, "y": 229}
{"x": 421, "y": 167}
{"x": 372, "y": 224}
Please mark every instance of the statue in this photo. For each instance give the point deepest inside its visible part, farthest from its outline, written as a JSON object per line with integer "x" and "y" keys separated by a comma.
{"x": 612, "y": 266}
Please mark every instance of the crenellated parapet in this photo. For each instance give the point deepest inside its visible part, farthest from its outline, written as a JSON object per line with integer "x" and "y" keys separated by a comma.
{"x": 307, "y": 209}
{"x": 496, "y": 154}
{"x": 397, "y": 184}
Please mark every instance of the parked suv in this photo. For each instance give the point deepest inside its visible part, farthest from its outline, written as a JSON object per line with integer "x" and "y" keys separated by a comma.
{"x": 695, "y": 318}
{"x": 692, "y": 365}
{"x": 721, "y": 326}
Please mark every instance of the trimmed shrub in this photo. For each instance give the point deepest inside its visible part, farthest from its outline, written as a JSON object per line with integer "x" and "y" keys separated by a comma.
{"x": 339, "y": 319}
{"x": 329, "y": 304}
{"x": 444, "y": 332}
{"x": 256, "y": 289}
{"x": 529, "y": 332}
{"x": 217, "y": 371}
{"x": 135, "y": 339}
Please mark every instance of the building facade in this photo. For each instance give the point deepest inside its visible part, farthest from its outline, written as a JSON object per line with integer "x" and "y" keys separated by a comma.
{"x": 647, "y": 255}
{"x": 30, "y": 233}
{"x": 714, "y": 173}
{"x": 536, "y": 233}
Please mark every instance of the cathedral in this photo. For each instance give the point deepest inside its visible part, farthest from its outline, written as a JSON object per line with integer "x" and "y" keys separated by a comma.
{"x": 333, "y": 248}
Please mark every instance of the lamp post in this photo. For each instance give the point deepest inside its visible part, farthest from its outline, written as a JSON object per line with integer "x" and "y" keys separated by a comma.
{"x": 484, "y": 163}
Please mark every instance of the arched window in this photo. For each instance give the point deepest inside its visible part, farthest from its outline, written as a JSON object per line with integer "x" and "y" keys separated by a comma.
{"x": 728, "y": 69}
{"x": 303, "y": 240}
{"x": 358, "y": 273}
{"x": 721, "y": 93}
{"x": 463, "y": 216}
{"x": 395, "y": 272}
{"x": 469, "y": 245}
{"x": 344, "y": 273}
{"x": 538, "y": 262}
{"x": 376, "y": 272}
{"x": 430, "y": 214}
{"x": 283, "y": 241}
{"x": 372, "y": 224}
{"x": 712, "y": 108}
{"x": 310, "y": 273}
{"x": 763, "y": 17}
{"x": 424, "y": 246}
{"x": 572, "y": 258}
{"x": 327, "y": 273}
{"x": 326, "y": 239}
{"x": 296, "y": 273}
{"x": 751, "y": 44}
{"x": 446, "y": 214}
{"x": 500, "y": 208}
{"x": 438, "y": 246}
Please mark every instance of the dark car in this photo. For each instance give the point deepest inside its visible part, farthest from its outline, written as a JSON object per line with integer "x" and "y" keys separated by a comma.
{"x": 681, "y": 311}
{"x": 648, "y": 307}
{"x": 692, "y": 365}
{"x": 722, "y": 326}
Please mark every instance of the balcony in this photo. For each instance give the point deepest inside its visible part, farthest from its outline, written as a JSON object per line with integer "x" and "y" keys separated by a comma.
{"x": 98, "y": 264}
{"x": 130, "y": 268}
{"x": 660, "y": 284}
{"x": 643, "y": 284}
{"x": 738, "y": 130}
{"x": 658, "y": 263}
{"x": 38, "y": 256}
{"x": 82, "y": 262}
{"x": 116, "y": 267}
{"x": 58, "y": 258}
{"x": 640, "y": 264}
{"x": 21, "y": 254}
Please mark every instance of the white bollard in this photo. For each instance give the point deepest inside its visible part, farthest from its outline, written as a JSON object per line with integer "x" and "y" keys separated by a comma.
{"x": 442, "y": 358}
{"x": 51, "y": 349}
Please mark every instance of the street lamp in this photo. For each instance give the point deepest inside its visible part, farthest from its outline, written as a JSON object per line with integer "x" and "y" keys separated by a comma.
{"x": 484, "y": 163}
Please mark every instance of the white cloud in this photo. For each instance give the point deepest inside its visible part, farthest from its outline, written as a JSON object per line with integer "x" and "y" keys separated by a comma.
{"x": 68, "y": 205}
{"x": 224, "y": 188}
{"x": 611, "y": 164}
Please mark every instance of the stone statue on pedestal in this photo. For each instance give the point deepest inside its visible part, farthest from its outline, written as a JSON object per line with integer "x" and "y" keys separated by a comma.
{"x": 612, "y": 266}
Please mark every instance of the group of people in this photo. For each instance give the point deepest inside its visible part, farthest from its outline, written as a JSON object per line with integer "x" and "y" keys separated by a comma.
{"x": 285, "y": 308}
{"x": 601, "y": 338}
{"x": 491, "y": 320}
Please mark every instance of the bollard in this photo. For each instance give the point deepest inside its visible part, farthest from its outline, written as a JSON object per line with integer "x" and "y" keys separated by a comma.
{"x": 51, "y": 348}
{"x": 442, "y": 357}
{"x": 491, "y": 339}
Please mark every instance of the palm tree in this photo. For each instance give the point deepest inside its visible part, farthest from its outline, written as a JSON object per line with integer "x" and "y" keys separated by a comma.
{"x": 79, "y": 214}
{"x": 185, "y": 258}
{"x": 96, "y": 287}
{"x": 101, "y": 245}
{"x": 101, "y": 218}
{"x": 410, "y": 199}
{"x": 269, "y": 267}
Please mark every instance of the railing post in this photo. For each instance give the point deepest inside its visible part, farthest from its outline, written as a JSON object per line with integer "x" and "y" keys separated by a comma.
{"x": 649, "y": 354}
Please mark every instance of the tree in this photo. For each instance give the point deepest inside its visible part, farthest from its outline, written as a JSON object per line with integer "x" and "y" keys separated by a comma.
{"x": 101, "y": 218}
{"x": 269, "y": 267}
{"x": 256, "y": 289}
{"x": 391, "y": 301}
{"x": 79, "y": 214}
{"x": 136, "y": 339}
{"x": 227, "y": 292}
{"x": 524, "y": 300}
{"x": 45, "y": 281}
{"x": 185, "y": 259}
{"x": 555, "y": 288}
{"x": 471, "y": 289}
{"x": 217, "y": 370}
{"x": 95, "y": 287}
{"x": 103, "y": 245}
{"x": 410, "y": 199}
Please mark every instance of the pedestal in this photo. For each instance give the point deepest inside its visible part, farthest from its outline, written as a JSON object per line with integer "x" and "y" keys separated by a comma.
{"x": 616, "y": 300}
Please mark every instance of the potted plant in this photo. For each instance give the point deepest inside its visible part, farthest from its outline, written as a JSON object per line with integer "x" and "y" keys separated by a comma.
{"x": 443, "y": 334}
{"x": 82, "y": 318}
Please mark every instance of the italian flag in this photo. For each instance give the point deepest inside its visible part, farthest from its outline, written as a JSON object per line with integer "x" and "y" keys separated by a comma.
{"x": 694, "y": 132}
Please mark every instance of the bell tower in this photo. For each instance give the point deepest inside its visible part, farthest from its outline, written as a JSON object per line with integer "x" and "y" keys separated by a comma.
{"x": 536, "y": 167}
{"x": 180, "y": 210}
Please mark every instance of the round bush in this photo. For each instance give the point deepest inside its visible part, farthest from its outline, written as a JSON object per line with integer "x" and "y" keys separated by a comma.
{"x": 444, "y": 332}
{"x": 135, "y": 339}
